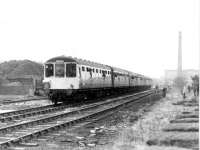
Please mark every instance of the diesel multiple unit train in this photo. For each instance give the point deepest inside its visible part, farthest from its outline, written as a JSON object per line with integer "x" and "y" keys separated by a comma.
{"x": 66, "y": 78}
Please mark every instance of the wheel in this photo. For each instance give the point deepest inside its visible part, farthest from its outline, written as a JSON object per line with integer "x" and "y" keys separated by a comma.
{"x": 55, "y": 102}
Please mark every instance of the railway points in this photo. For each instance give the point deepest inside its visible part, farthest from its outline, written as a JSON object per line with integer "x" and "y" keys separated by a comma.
{"x": 55, "y": 122}
{"x": 28, "y": 112}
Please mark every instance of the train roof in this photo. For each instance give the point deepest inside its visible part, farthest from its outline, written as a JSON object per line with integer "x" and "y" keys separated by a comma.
{"x": 119, "y": 70}
{"x": 79, "y": 61}
{"x": 62, "y": 58}
{"x": 93, "y": 64}
{"x": 87, "y": 63}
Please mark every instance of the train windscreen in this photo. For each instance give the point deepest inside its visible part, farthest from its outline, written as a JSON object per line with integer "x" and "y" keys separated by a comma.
{"x": 70, "y": 70}
{"x": 49, "y": 70}
{"x": 59, "y": 70}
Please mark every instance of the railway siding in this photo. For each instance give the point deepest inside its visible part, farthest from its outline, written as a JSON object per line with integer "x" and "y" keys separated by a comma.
{"x": 19, "y": 100}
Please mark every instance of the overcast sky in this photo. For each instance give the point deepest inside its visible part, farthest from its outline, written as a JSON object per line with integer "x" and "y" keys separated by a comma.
{"x": 138, "y": 35}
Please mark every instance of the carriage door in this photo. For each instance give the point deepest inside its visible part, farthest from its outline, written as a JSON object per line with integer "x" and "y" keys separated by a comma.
{"x": 112, "y": 77}
{"x": 79, "y": 70}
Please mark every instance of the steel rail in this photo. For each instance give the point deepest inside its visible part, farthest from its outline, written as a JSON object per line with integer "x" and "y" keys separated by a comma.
{"x": 61, "y": 114}
{"x": 24, "y": 100}
{"x": 56, "y": 125}
{"x": 8, "y": 116}
{"x": 32, "y": 113}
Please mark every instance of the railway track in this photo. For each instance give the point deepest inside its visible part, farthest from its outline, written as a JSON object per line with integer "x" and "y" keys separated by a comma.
{"x": 12, "y": 115}
{"x": 6, "y": 102}
{"x": 29, "y": 112}
{"x": 36, "y": 127}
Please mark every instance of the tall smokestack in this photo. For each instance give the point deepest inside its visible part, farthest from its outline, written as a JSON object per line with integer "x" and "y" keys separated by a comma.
{"x": 179, "y": 55}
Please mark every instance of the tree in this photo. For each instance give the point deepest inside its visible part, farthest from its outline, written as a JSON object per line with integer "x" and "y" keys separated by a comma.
{"x": 195, "y": 84}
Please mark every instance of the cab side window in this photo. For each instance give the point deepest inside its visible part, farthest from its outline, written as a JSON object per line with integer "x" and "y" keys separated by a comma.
{"x": 70, "y": 70}
{"x": 83, "y": 68}
{"x": 49, "y": 70}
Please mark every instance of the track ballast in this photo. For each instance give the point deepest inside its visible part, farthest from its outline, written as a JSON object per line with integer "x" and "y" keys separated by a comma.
{"x": 36, "y": 127}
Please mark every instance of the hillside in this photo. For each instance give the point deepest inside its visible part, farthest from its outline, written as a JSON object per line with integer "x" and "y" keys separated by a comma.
{"x": 20, "y": 68}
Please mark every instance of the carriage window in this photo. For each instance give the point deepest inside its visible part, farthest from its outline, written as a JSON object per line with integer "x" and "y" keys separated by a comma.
{"x": 59, "y": 70}
{"x": 70, "y": 70}
{"x": 103, "y": 73}
{"x": 49, "y": 70}
{"x": 83, "y": 68}
{"x": 79, "y": 69}
{"x": 96, "y": 70}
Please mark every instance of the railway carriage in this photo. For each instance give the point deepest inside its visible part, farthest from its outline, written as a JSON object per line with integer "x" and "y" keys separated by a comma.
{"x": 67, "y": 78}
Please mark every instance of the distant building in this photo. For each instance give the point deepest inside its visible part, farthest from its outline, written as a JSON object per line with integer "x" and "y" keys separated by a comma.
{"x": 170, "y": 75}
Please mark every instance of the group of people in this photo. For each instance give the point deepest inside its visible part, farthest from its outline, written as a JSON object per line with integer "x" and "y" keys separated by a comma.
{"x": 188, "y": 89}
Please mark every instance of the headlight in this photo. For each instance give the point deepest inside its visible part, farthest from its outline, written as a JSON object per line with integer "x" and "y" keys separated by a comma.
{"x": 46, "y": 85}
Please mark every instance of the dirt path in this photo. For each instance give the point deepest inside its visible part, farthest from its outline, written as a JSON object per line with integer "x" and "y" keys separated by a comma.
{"x": 170, "y": 124}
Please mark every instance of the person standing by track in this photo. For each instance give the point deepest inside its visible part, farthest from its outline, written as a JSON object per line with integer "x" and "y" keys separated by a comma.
{"x": 184, "y": 92}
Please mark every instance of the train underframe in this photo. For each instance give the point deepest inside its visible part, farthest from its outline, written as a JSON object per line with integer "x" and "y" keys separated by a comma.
{"x": 80, "y": 95}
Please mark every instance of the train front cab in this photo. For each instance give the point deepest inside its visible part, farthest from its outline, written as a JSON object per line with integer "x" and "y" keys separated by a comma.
{"x": 60, "y": 80}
